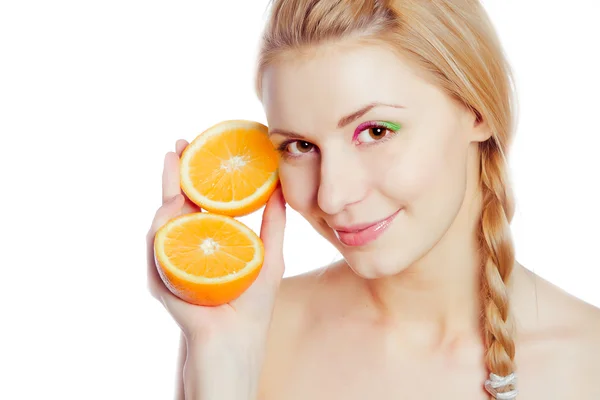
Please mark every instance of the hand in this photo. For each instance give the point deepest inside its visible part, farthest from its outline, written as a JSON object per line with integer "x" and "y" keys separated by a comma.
{"x": 245, "y": 320}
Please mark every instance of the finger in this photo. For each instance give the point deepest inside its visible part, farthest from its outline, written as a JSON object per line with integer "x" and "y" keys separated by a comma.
{"x": 166, "y": 212}
{"x": 180, "y": 146}
{"x": 188, "y": 206}
{"x": 271, "y": 233}
{"x": 154, "y": 282}
{"x": 162, "y": 216}
{"x": 170, "y": 180}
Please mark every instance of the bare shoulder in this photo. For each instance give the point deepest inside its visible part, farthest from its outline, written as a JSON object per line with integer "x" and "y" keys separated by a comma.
{"x": 561, "y": 342}
{"x": 299, "y": 295}
{"x": 587, "y": 335}
{"x": 586, "y": 322}
{"x": 292, "y": 316}
{"x": 574, "y": 315}
{"x": 585, "y": 344}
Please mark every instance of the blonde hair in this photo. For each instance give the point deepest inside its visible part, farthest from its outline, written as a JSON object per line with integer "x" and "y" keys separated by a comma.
{"x": 456, "y": 47}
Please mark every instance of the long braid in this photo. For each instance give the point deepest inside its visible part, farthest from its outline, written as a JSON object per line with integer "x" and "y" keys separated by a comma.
{"x": 498, "y": 261}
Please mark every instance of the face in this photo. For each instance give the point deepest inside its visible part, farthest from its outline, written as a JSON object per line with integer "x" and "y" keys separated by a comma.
{"x": 401, "y": 164}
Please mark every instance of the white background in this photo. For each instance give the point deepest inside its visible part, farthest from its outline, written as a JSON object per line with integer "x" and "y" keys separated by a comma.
{"x": 94, "y": 93}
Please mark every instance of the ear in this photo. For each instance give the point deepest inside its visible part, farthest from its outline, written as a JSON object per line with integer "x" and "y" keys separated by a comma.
{"x": 479, "y": 131}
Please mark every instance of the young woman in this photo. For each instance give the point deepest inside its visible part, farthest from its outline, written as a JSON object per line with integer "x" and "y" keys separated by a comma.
{"x": 393, "y": 120}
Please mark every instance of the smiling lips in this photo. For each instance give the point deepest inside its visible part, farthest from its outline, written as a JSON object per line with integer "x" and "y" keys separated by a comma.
{"x": 359, "y": 235}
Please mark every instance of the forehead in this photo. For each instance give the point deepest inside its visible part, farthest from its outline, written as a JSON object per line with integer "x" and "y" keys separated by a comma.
{"x": 316, "y": 89}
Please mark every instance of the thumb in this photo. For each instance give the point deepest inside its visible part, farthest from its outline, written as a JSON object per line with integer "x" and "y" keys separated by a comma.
{"x": 169, "y": 210}
{"x": 259, "y": 297}
{"x": 271, "y": 234}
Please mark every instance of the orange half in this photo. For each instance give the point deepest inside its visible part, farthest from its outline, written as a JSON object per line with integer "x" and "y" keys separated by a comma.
{"x": 230, "y": 168}
{"x": 207, "y": 259}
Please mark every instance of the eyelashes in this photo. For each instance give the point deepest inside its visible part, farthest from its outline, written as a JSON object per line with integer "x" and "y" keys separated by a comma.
{"x": 282, "y": 148}
{"x": 368, "y": 134}
{"x": 373, "y": 125}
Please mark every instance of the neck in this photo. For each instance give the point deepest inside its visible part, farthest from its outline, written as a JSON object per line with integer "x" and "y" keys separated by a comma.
{"x": 436, "y": 301}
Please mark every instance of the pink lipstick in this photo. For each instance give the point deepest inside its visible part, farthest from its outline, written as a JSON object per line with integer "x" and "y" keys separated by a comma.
{"x": 359, "y": 235}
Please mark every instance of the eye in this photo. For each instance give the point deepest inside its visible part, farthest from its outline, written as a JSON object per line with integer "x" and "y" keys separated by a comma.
{"x": 372, "y": 134}
{"x": 299, "y": 147}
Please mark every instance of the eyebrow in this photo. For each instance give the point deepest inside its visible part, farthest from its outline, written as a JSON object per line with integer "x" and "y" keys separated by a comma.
{"x": 342, "y": 122}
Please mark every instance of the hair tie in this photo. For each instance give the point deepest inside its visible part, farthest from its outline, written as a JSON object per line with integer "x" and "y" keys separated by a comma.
{"x": 496, "y": 382}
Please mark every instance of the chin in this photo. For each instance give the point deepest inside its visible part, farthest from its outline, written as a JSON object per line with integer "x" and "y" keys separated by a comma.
{"x": 388, "y": 255}
{"x": 378, "y": 263}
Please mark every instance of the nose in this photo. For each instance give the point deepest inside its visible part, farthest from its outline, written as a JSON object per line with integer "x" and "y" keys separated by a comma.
{"x": 343, "y": 181}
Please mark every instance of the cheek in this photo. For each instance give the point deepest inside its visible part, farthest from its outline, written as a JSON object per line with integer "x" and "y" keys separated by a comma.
{"x": 426, "y": 173}
{"x": 409, "y": 175}
{"x": 299, "y": 185}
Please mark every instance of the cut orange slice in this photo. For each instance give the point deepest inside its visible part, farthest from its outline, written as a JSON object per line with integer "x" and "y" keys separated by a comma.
{"x": 207, "y": 259}
{"x": 230, "y": 168}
